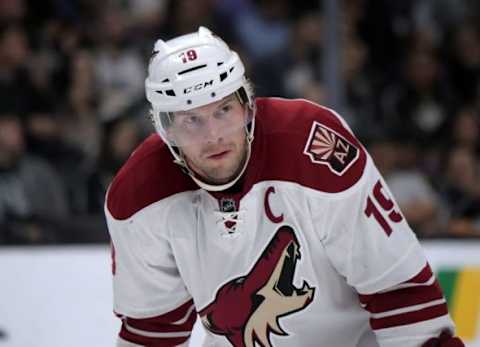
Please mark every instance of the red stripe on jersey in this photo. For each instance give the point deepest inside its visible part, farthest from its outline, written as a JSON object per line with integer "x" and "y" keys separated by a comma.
{"x": 401, "y": 298}
{"x": 404, "y": 297}
{"x": 169, "y": 329}
{"x": 409, "y": 317}
{"x": 165, "y": 322}
{"x": 423, "y": 276}
{"x": 152, "y": 342}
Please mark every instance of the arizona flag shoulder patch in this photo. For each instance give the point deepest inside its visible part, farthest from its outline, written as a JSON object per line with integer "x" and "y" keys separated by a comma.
{"x": 326, "y": 146}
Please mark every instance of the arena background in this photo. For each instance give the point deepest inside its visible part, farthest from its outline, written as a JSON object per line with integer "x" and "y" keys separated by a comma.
{"x": 404, "y": 74}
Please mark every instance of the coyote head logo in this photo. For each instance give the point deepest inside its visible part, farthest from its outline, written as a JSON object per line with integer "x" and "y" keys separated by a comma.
{"x": 247, "y": 309}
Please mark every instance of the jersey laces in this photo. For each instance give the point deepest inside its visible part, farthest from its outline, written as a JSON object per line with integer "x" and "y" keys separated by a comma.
{"x": 229, "y": 222}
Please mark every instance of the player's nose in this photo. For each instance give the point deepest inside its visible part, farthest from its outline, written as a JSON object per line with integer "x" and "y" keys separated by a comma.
{"x": 212, "y": 130}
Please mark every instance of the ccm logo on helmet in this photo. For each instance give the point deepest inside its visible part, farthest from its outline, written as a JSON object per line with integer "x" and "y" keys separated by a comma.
{"x": 198, "y": 87}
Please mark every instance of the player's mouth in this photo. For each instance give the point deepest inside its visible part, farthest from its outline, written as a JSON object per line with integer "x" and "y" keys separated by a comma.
{"x": 218, "y": 155}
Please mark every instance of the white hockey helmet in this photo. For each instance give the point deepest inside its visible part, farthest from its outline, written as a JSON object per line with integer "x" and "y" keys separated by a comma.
{"x": 190, "y": 71}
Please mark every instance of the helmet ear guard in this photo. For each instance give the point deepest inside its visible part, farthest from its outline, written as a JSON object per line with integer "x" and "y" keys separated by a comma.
{"x": 190, "y": 71}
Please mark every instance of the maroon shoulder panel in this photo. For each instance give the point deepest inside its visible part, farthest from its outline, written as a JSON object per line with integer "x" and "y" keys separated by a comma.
{"x": 308, "y": 144}
{"x": 295, "y": 140}
{"x": 149, "y": 175}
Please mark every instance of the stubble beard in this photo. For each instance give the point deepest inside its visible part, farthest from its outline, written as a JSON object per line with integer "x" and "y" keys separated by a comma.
{"x": 217, "y": 175}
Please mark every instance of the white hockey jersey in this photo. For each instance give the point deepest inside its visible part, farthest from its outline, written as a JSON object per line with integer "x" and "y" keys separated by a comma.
{"x": 308, "y": 250}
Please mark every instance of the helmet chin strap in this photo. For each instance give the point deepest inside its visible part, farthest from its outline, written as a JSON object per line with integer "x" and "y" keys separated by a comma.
{"x": 180, "y": 160}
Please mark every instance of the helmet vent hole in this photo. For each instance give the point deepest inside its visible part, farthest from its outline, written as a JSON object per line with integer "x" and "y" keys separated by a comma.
{"x": 189, "y": 101}
{"x": 231, "y": 69}
{"x": 213, "y": 94}
{"x": 192, "y": 69}
{"x": 170, "y": 92}
{"x": 223, "y": 75}
{"x": 220, "y": 63}
{"x": 159, "y": 91}
{"x": 166, "y": 80}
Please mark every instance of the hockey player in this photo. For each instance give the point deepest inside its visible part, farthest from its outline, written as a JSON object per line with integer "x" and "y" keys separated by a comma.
{"x": 271, "y": 223}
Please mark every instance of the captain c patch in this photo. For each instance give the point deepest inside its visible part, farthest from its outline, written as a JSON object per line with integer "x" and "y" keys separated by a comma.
{"x": 326, "y": 146}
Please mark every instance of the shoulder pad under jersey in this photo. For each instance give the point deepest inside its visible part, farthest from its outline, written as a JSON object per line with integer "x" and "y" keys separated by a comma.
{"x": 148, "y": 176}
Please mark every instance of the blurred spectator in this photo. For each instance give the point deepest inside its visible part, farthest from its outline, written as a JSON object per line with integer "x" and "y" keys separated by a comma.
{"x": 294, "y": 70}
{"x": 419, "y": 106}
{"x": 360, "y": 84}
{"x": 33, "y": 101}
{"x": 32, "y": 198}
{"x": 45, "y": 139}
{"x": 147, "y": 13}
{"x": 119, "y": 70}
{"x": 466, "y": 130}
{"x": 148, "y": 19}
{"x": 461, "y": 192}
{"x": 80, "y": 123}
{"x": 185, "y": 16}
{"x": 439, "y": 16}
{"x": 264, "y": 30}
{"x": 397, "y": 161}
{"x": 464, "y": 65}
{"x": 383, "y": 150}
{"x": 12, "y": 10}
{"x": 385, "y": 27}
{"x": 302, "y": 77}
{"x": 15, "y": 82}
{"x": 462, "y": 131}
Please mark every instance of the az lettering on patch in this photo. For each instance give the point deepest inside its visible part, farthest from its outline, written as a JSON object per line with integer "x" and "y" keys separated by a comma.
{"x": 326, "y": 146}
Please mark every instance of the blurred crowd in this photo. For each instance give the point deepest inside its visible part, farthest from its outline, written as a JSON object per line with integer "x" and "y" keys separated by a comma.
{"x": 72, "y": 104}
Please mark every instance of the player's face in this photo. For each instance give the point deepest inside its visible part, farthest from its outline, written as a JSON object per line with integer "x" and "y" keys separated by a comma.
{"x": 217, "y": 139}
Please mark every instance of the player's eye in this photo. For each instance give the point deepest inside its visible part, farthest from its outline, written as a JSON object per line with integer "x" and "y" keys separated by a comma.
{"x": 192, "y": 121}
{"x": 224, "y": 110}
